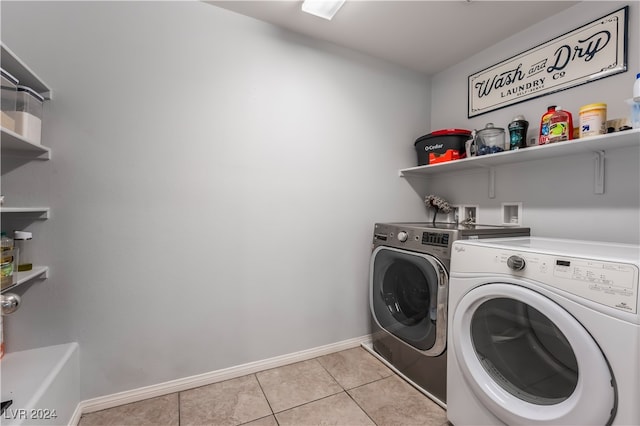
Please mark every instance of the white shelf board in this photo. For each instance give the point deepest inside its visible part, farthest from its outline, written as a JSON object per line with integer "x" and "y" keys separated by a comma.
{"x": 24, "y": 74}
{"x": 38, "y": 272}
{"x": 13, "y": 144}
{"x": 43, "y": 212}
{"x": 591, "y": 144}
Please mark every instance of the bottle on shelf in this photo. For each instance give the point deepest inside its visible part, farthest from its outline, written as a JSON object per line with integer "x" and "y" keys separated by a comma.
{"x": 7, "y": 260}
{"x": 560, "y": 126}
{"x": 635, "y": 104}
{"x": 544, "y": 125}
{"x": 1, "y": 338}
{"x": 518, "y": 133}
{"x": 22, "y": 241}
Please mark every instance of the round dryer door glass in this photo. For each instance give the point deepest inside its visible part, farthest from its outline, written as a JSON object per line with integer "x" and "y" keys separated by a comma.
{"x": 408, "y": 296}
{"x": 524, "y": 352}
{"x": 406, "y": 293}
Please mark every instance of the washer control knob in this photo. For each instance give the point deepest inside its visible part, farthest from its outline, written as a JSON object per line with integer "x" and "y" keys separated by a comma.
{"x": 516, "y": 263}
{"x": 402, "y": 236}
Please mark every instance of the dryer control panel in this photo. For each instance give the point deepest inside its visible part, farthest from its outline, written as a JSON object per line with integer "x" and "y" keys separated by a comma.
{"x": 613, "y": 284}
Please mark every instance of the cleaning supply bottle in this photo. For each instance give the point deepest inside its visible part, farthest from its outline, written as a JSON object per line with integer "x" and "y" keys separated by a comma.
{"x": 544, "y": 125}
{"x": 21, "y": 242}
{"x": 1, "y": 338}
{"x": 518, "y": 132}
{"x": 6, "y": 261}
{"x": 560, "y": 126}
{"x": 635, "y": 104}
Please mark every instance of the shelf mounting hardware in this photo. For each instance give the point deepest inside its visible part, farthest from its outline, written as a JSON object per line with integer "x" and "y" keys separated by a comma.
{"x": 492, "y": 182}
{"x": 599, "y": 173}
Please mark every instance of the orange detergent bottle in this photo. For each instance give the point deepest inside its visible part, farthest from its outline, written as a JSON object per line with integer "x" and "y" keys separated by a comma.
{"x": 560, "y": 126}
{"x": 544, "y": 125}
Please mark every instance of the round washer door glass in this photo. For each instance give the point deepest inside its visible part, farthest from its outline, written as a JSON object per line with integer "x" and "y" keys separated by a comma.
{"x": 406, "y": 291}
{"x": 524, "y": 351}
{"x": 528, "y": 360}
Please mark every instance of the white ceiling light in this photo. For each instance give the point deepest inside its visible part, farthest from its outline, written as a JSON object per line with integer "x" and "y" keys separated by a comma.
{"x": 322, "y": 8}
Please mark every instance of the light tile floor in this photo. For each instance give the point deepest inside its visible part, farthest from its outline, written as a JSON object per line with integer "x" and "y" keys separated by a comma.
{"x": 350, "y": 387}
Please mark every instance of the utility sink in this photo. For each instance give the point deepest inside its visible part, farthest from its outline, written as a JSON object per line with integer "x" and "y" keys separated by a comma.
{"x": 43, "y": 385}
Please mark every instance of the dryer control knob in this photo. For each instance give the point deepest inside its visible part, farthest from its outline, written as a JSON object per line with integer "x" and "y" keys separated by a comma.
{"x": 516, "y": 263}
{"x": 402, "y": 236}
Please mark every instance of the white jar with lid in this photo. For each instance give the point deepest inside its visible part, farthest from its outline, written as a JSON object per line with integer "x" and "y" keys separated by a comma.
{"x": 22, "y": 241}
{"x": 28, "y": 114}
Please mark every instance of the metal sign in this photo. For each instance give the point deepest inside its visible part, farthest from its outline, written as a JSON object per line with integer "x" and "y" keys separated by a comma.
{"x": 593, "y": 51}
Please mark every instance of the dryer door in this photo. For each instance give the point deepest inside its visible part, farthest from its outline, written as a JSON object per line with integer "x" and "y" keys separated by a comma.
{"x": 408, "y": 297}
{"x": 529, "y": 361}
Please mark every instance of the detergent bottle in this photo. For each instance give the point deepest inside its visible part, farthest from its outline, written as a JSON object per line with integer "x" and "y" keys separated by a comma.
{"x": 544, "y": 125}
{"x": 560, "y": 126}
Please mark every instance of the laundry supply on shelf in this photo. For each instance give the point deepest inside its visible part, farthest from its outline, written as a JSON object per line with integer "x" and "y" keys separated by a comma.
{"x": 22, "y": 241}
{"x": 518, "y": 132}
{"x": 8, "y": 96}
{"x": 635, "y": 104}
{"x": 593, "y": 119}
{"x": 7, "y": 261}
{"x": 28, "y": 115}
{"x": 560, "y": 126}
{"x": 544, "y": 125}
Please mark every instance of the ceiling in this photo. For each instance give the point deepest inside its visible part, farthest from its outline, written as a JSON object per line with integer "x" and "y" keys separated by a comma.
{"x": 426, "y": 36}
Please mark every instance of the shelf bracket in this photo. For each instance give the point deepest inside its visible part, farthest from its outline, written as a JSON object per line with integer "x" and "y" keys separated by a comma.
{"x": 492, "y": 182}
{"x": 598, "y": 184}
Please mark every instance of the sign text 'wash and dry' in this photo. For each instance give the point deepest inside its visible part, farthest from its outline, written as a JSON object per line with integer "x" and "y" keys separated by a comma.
{"x": 593, "y": 51}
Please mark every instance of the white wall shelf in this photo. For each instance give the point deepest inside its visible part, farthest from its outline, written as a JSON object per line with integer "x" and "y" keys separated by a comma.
{"x": 40, "y": 212}
{"x": 15, "y": 145}
{"x": 26, "y": 77}
{"x": 38, "y": 272}
{"x": 596, "y": 144}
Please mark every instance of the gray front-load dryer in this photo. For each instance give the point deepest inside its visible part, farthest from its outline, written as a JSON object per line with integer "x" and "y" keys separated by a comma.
{"x": 408, "y": 288}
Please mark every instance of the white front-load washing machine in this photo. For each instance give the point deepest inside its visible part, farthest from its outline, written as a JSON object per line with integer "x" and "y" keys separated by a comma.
{"x": 543, "y": 332}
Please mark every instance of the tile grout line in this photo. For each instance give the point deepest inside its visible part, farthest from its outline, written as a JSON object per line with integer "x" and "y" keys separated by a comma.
{"x": 179, "y": 404}
{"x": 317, "y": 359}
{"x": 345, "y": 390}
{"x": 363, "y": 410}
{"x": 314, "y": 400}
{"x": 366, "y": 384}
{"x": 265, "y": 397}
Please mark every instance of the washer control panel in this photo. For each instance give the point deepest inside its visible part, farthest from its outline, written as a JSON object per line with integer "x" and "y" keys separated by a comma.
{"x": 609, "y": 283}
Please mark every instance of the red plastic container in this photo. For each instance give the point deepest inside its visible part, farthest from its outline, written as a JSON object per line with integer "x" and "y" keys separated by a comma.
{"x": 441, "y": 145}
{"x": 560, "y": 126}
{"x": 543, "y": 138}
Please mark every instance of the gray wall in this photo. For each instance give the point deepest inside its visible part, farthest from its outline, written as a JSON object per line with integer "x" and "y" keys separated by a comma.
{"x": 214, "y": 185}
{"x": 557, "y": 194}
{"x": 215, "y": 180}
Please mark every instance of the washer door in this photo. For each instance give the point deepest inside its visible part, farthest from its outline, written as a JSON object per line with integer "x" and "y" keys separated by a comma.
{"x": 529, "y": 361}
{"x": 408, "y": 297}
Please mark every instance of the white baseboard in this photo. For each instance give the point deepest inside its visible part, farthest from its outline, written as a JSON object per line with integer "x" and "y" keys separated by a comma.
{"x": 134, "y": 395}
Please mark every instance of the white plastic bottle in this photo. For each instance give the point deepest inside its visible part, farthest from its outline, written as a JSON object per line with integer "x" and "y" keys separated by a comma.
{"x": 635, "y": 104}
